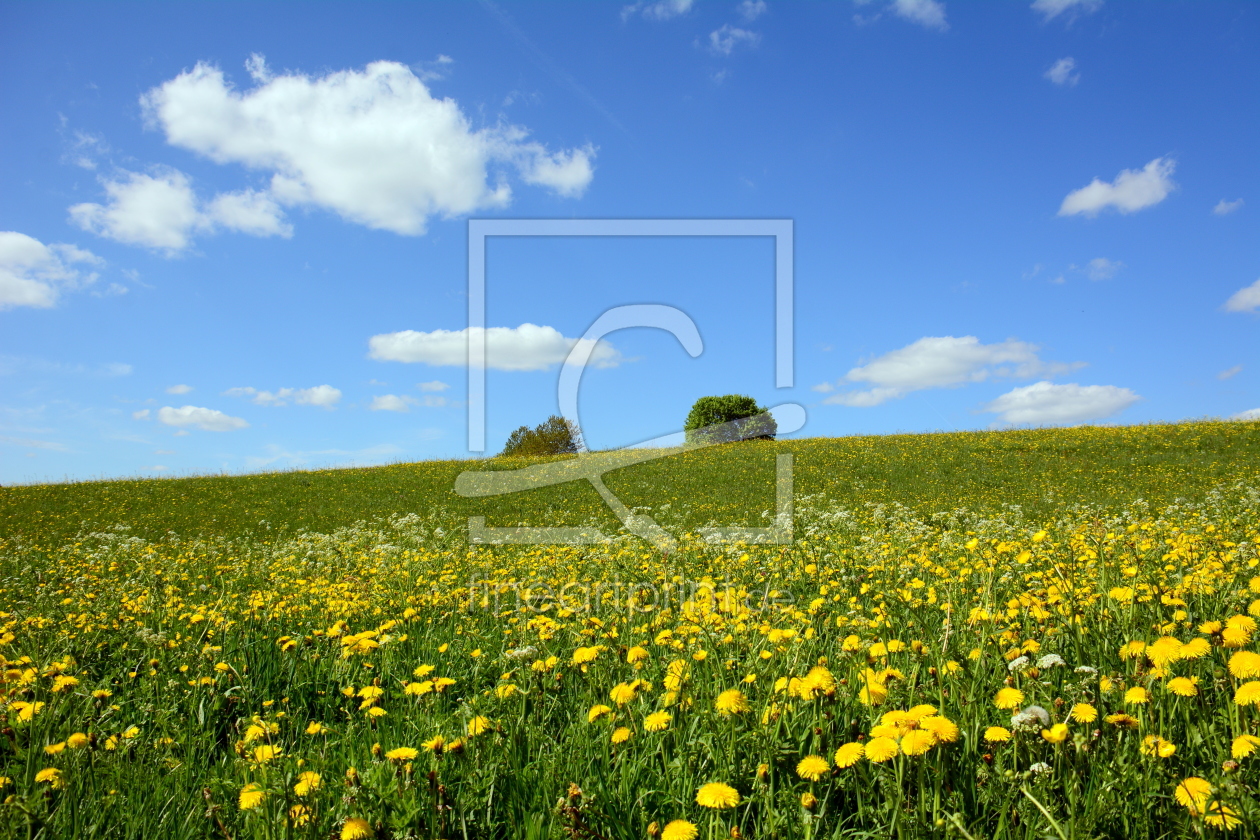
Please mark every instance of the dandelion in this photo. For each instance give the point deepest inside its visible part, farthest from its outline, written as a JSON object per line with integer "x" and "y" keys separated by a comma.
{"x": 50, "y": 776}
{"x": 1008, "y": 698}
{"x": 636, "y": 654}
{"x": 717, "y": 795}
{"x": 1220, "y": 815}
{"x": 53, "y": 749}
{"x": 1136, "y": 696}
{"x": 997, "y": 734}
{"x": 299, "y": 815}
{"x": 1244, "y": 746}
{"x": 265, "y": 753}
{"x": 401, "y": 754}
{"x": 597, "y": 711}
{"x": 657, "y": 721}
{"x": 1245, "y": 665}
{"x": 1192, "y": 794}
{"x": 849, "y": 754}
{"x": 78, "y": 741}
{"x": 1157, "y": 747}
{"x": 1056, "y": 734}
{"x": 252, "y": 795}
{"x": 809, "y": 801}
{"x": 376, "y": 712}
{"x": 356, "y": 829}
{"x": 478, "y": 725}
{"x": 679, "y": 830}
{"x": 812, "y": 767}
{"x": 731, "y": 702}
{"x": 880, "y": 750}
{"x": 622, "y": 693}
{"x": 307, "y": 781}
{"x": 1183, "y": 686}
{"x": 944, "y": 729}
{"x": 1122, "y": 720}
{"x": 1084, "y": 713}
{"x": 434, "y": 744}
{"x": 1248, "y": 694}
{"x": 621, "y": 735}
{"x": 315, "y": 728}
{"x": 917, "y": 742}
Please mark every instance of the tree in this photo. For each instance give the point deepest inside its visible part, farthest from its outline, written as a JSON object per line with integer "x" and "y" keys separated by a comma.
{"x": 739, "y": 418}
{"x": 554, "y": 436}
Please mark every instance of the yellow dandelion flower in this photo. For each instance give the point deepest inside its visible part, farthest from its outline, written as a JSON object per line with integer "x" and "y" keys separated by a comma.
{"x": 78, "y": 741}
{"x": 657, "y": 721}
{"x": 422, "y": 671}
{"x": 299, "y": 815}
{"x": 376, "y": 712}
{"x": 371, "y": 692}
{"x": 717, "y": 795}
{"x": 1196, "y": 649}
{"x": 917, "y": 742}
{"x": 50, "y": 776}
{"x": 1220, "y": 815}
{"x": 597, "y": 711}
{"x": 945, "y": 730}
{"x": 478, "y": 725}
{"x": 621, "y": 734}
{"x": 1136, "y": 696}
{"x": 997, "y": 734}
{"x": 1056, "y": 734}
{"x": 315, "y": 728}
{"x": 1157, "y": 747}
{"x": 1248, "y": 694}
{"x": 400, "y": 754}
{"x": 1244, "y": 746}
{"x": 679, "y": 830}
{"x": 731, "y": 702}
{"x": 252, "y": 795}
{"x": 1009, "y": 698}
{"x": 1192, "y": 794}
{"x": 53, "y": 749}
{"x": 1122, "y": 720}
{"x": 265, "y": 753}
{"x": 418, "y": 689}
{"x": 307, "y": 782}
{"x": 880, "y": 750}
{"x": 356, "y": 829}
{"x": 809, "y": 801}
{"x": 1084, "y": 713}
{"x": 1245, "y": 665}
{"x": 812, "y": 767}
{"x": 622, "y": 693}
{"x": 636, "y": 654}
{"x": 849, "y": 754}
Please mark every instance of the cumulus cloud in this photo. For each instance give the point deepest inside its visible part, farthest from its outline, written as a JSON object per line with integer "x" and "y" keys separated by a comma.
{"x": 1244, "y": 300}
{"x": 392, "y": 402}
{"x": 660, "y": 10}
{"x": 161, "y": 211}
{"x": 1062, "y": 72}
{"x": 940, "y": 362}
{"x": 325, "y": 396}
{"x": 435, "y": 385}
{"x": 1132, "y": 190}
{"x": 1249, "y": 414}
{"x": 527, "y": 347}
{"x": 1224, "y": 208}
{"x": 929, "y": 13}
{"x": 750, "y": 10}
{"x": 723, "y": 41}
{"x": 179, "y": 389}
{"x": 372, "y": 145}
{"x": 1051, "y": 9}
{"x": 35, "y": 274}
{"x": 1046, "y": 404}
{"x": 206, "y": 419}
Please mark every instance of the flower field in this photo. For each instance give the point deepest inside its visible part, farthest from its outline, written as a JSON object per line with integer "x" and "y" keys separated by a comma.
{"x": 1059, "y": 640}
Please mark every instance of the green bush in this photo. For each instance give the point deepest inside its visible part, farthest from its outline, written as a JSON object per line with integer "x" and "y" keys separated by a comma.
{"x": 554, "y": 436}
{"x": 739, "y": 416}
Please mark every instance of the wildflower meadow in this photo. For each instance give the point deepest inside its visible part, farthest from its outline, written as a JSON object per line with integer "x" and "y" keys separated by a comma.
{"x": 1022, "y": 634}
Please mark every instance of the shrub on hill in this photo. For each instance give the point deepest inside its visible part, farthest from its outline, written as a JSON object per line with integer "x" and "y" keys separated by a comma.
{"x": 554, "y": 436}
{"x": 744, "y": 419}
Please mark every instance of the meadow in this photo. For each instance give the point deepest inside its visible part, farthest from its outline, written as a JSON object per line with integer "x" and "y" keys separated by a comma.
{"x": 1022, "y": 634}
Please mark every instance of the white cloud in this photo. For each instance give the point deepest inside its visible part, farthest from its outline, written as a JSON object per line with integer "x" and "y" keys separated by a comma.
{"x": 1224, "y": 208}
{"x": 1249, "y": 414}
{"x": 660, "y": 10}
{"x": 1101, "y": 268}
{"x": 1231, "y": 373}
{"x": 941, "y": 362}
{"x": 35, "y": 274}
{"x": 723, "y": 41}
{"x": 392, "y": 402}
{"x": 435, "y": 385}
{"x": 1046, "y": 404}
{"x": 371, "y": 145}
{"x": 1061, "y": 73}
{"x": 1131, "y": 191}
{"x": 750, "y": 10}
{"x": 1244, "y": 300}
{"x": 248, "y": 211}
{"x": 31, "y": 443}
{"x": 527, "y": 347}
{"x": 929, "y": 13}
{"x": 325, "y": 396}
{"x": 206, "y": 419}
{"x": 1051, "y": 9}
{"x": 142, "y": 414}
{"x": 179, "y": 389}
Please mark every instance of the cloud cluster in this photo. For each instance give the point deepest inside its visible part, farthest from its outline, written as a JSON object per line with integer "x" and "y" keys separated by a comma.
{"x": 1132, "y": 190}
{"x": 927, "y": 13}
{"x": 1051, "y": 9}
{"x": 206, "y": 419}
{"x": 325, "y": 396}
{"x": 161, "y": 211}
{"x": 1224, "y": 208}
{"x": 371, "y": 145}
{"x": 1063, "y": 72}
{"x": 527, "y": 347}
{"x": 659, "y": 10}
{"x": 724, "y": 40}
{"x": 35, "y": 274}
{"x": 1047, "y": 404}
{"x": 940, "y": 362}
{"x": 1246, "y": 299}
{"x": 394, "y": 402}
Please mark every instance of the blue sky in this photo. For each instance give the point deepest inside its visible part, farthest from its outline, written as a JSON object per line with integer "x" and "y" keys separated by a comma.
{"x": 234, "y": 237}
